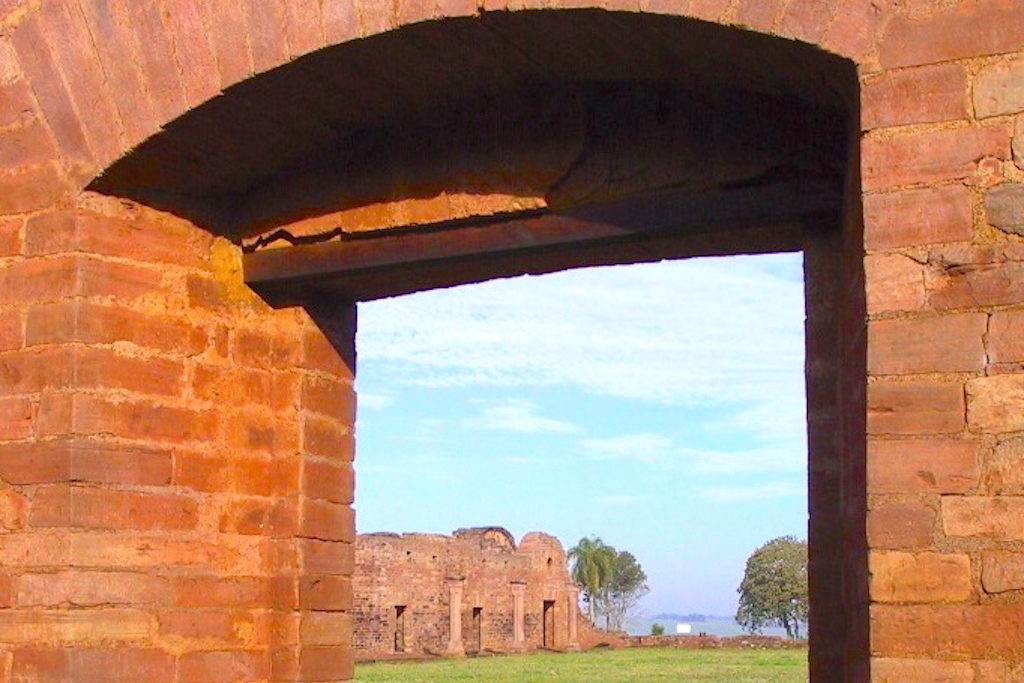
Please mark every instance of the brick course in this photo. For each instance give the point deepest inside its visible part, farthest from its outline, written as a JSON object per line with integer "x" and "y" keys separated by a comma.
{"x": 209, "y": 438}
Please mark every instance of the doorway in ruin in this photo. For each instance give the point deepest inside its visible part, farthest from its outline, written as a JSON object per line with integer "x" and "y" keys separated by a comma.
{"x": 475, "y": 640}
{"x": 399, "y": 628}
{"x": 462, "y": 150}
{"x": 548, "y": 624}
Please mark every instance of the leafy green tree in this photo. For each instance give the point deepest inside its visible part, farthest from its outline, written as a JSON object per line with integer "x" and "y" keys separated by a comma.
{"x": 626, "y": 584}
{"x": 774, "y": 587}
{"x": 592, "y": 561}
{"x": 657, "y": 629}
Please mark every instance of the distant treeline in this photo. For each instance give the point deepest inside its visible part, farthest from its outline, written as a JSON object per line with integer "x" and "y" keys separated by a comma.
{"x": 691, "y": 618}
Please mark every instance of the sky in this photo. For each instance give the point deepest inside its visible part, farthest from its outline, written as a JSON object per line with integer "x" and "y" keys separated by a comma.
{"x": 657, "y": 406}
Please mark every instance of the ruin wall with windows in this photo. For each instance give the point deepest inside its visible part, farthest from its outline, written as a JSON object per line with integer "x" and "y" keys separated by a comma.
{"x": 403, "y": 592}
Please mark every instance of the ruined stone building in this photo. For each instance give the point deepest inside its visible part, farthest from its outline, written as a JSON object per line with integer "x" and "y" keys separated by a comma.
{"x": 474, "y": 591}
{"x": 194, "y": 196}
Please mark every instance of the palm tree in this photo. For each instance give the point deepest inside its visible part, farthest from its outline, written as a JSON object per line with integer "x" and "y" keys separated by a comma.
{"x": 592, "y": 564}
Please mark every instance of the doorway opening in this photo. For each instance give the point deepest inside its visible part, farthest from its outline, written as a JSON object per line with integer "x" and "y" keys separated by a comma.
{"x": 399, "y": 641}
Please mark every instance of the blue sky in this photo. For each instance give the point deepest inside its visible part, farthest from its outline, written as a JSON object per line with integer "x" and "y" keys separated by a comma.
{"x": 658, "y": 406}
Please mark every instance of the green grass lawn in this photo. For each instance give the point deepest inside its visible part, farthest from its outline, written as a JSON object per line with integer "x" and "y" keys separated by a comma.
{"x": 655, "y": 664}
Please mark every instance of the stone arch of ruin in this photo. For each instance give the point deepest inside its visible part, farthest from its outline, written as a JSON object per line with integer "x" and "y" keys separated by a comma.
{"x": 193, "y": 196}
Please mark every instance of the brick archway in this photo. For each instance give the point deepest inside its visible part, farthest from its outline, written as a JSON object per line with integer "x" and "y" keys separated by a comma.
{"x": 175, "y": 478}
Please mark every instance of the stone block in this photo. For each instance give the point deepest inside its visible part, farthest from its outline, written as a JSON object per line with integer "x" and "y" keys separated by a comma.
{"x": 1005, "y": 207}
{"x": 1002, "y": 571}
{"x": 997, "y": 518}
{"x": 918, "y": 407}
{"x": 920, "y": 577}
{"x": 948, "y": 343}
{"x": 996, "y": 404}
{"x": 999, "y": 89}
{"x": 922, "y": 466}
{"x": 891, "y": 670}
{"x": 900, "y": 525}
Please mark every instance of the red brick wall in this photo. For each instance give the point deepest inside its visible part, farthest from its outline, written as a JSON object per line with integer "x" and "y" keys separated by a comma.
{"x": 174, "y": 460}
{"x": 413, "y": 570}
{"x": 145, "y": 394}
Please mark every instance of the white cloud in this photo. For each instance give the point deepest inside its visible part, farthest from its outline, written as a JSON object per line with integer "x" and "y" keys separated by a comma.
{"x": 693, "y": 331}
{"x": 520, "y": 460}
{"x": 517, "y": 415}
{"x": 776, "y": 458}
{"x": 374, "y": 401}
{"x": 645, "y": 447}
{"x": 736, "y": 494}
{"x": 616, "y": 500}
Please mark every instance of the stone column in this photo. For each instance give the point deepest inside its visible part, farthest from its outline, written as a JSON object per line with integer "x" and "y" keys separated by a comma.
{"x": 572, "y": 615}
{"x": 518, "y": 616}
{"x": 455, "y": 648}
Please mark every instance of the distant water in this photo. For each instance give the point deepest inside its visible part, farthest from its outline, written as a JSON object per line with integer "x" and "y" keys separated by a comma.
{"x": 710, "y": 626}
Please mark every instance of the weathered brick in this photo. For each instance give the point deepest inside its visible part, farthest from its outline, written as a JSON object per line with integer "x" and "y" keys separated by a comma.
{"x": 230, "y": 41}
{"x": 999, "y": 89}
{"x": 920, "y": 577}
{"x": 266, "y": 23}
{"x": 10, "y": 237}
{"x": 228, "y": 666}
{"x": 225, "y": 628}
{"x": 241, "y": 386}
{"x": 922, "y": 466}
{"x": 894, "y": 283}
{"x": 758, "y": 14}
{"x": 948, "y": 343}
{"x": 916, "y": 217}
{"x": 964, "y": 631}
{"x": 114, "y": 48}
{"x": 888, "y": 670}
{"x": 806, "y": 19}
{"x": 247, "y": 476}
{"x": 924, "y": 95}
{"x": 108, "y": 369}
{"x": 996, "y": 404}
{"x": 15, "y": 418}
{"x": 328, "y": 481}
{"x": 1002, "y": 571}
{"x": 25, "y": 145}
{"x": 58, "y": 232}
{"x": 303, "y": 26}
{"x": 931, "y": 156}
{"x": 188, "y": 34}
{"x": 998, "y": 518}
{"x": 1005, "y": 207}
{"x": 976, "y": 277}
{"x": 121, "y": 665}
{"x": 29, "y": 189}
{"x": 330, "y": 398}
{"x": 99, "y": 508}
{"x": 327, "y": 557}
{"x": 319, "y": 354}
{"x": 16, "y": 105}
{"x": 900, "y": 525}
{"x": 90, "y": 589}
{"x": 920, "y": 407}
{"x": 155, "y": 59}
{"x": 327, "y": 438}
{"x": 1017, "y": 145}
{"x": 262, "y": 350}
{"x": 76, "y": 626}
{"x": 260, "y": 517}
{"x": 326, "y": 663}
{"x": 1002, "y": 473}
{"x": 89, "y": 323}
{"x": 13, "y": 510}
{"x": 11, "y": 331}
{"x": 74, "y": 53}
{"x": 215, "y": 591}
{"x": 226, "y": 555}
{"x": 1005, "y": 340}
{"x": 326, "y": 628}
{"x": 962, "y": 30}
{"x": 327, "y": 521}
{"x": 325, "y": 593}
{"x": 38, "y": 63}
{"x": 32, "y": 550}
{"x": 139, "y": 420}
